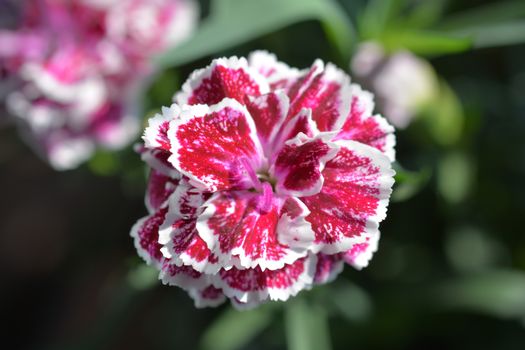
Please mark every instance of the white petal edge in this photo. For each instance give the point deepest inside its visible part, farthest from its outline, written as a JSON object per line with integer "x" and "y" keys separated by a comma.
{"x": 234, "y": 63}
{"x": 189, "y": 113}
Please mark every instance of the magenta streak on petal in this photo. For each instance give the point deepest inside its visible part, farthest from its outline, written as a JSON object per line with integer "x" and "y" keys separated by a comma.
{"x": 357, "y": 249}
{"x": 328, "y": 266}
{"x": 268, "y": 112}
{"x": 187, "y": 241}
{"x": 350, "y": 196}
{"x": 173, "y": 270}
{"x": 301, "y": 123}
{"x": 298, "y": 167}
{"x": 210, "y": 147}
{"x": 364, "y": 128}
{"x": 239, "y": 227}
{"x": 324, "y": 100}
{"x": 159, "y": 188}
{"x": 162, "y": 137}
{"x": 212, "y": 293}
{"x": 300, "y": 84}
{"x": 255, "y": 279}
{"x": 224, "y": 82}
{"x": 148, "y": 234}
{"x": 323, "y": 92}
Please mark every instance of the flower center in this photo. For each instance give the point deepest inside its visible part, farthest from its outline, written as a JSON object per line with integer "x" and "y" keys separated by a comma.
{"x": 264, "y": 176}
{"x": 259, "y": 178}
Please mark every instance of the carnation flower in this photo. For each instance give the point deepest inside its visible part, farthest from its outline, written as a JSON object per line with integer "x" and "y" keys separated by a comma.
{"x": 264, "y": 181}
{"x": 402, "y": 82}
{"x": 78, "y": 67}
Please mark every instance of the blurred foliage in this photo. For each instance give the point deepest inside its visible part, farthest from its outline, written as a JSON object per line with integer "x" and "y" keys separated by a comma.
{"x": 240, "y": 328}
{"x": 450, "y": 270}
{"x": 233, "y": 22}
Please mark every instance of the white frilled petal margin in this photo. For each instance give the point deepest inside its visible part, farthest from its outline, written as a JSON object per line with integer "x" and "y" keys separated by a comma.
{"x": 268, "y": 112}
{"x": 184, "y": 277}
{"x": 158, "y": 190}
{"x": 158, "y": 159}
{"x": 202, "y": 144}
{"x": 292, "y": 229}
{"x": 363, "y": 126}
{"x": 207, "y": 297}
{"x": 155, "y": 134}
{"x": 374, "y": 181}
{"x": 224, "y": 234}
{"x": 328, "y": 268}
{"x": 253, "y": 286}
{"x": 201, "y": 76}
{"x": 298, "y": 158}
{"x": 360, "y": 255}
{"x": 385, "y": 181}
{"x": 278, "y": 74}
{"x": 145, "y": 237}
{"x": 178, "y": 234}
{"x": 241, "y": 251}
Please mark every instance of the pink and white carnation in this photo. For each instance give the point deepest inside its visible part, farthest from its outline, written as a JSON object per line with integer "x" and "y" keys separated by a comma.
{"x": 264, "y": 181}
{"x": 79, "y": 67}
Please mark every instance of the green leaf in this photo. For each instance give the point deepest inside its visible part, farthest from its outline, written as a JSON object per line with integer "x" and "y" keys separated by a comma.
{"x": 424, "y": 14}
{"x": 495, "y": 24}
{"x": 510, "y": 33}
{"x": 234, "y": 329}
{"x": 306, "y": 326}
{"x": 426, "y": 42}
{"x": 375, "y": 18}
{"x": 409, "y": 183}
{"x": 494, "y": 12}
{"x": 233, "y": 22}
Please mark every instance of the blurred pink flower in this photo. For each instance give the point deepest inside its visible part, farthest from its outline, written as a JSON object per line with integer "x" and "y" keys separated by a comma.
{"x": 80, "y": 66}
{"x": 264, "y": 180}
{"x": 402, "y": 82}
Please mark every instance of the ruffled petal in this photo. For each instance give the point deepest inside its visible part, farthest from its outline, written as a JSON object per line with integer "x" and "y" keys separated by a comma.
{"x": 158, "y": 159}
{"x": 292, "y": 229}
{"x": 299, "y": 165}
{"x": 183, "y": 276}
{"x": 214, "y": 145}
{"x": 278, "y": 74}
{"x": 361, "y": 254}
{"x": 362, "y": 126}
{"x": 160, "y": 187}
{"x": 156, "y": 133}
{"x": 268, "y": 112}
{"x": 224, "y": 77}
{"x": 145, "y": 235}
{"x": 207, "y": 297}
{"x": 301, "y": 123}
{"x": 253, "y": 286}
{"x": 327, "y": 268}
{"x": 241, "y": 229}
{"x": 353, "y": 200}
{"x": 178, "y": 233}
{"x": 248, "y": 305}
{"x": 324, "y": 90}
